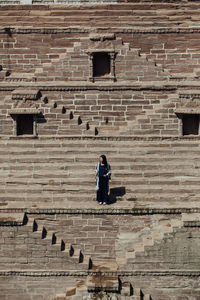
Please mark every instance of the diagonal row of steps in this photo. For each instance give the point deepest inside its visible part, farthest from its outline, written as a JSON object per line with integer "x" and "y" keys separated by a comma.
{"x": 149, "y": 236}
{"x": 58, "y": 245}
{"x": 162, "y": 230}
{"x": 72, "y": 123}
{"x": 63, "y": 170}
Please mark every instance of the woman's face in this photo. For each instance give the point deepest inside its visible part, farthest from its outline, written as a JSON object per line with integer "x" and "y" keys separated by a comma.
{"x": 100, "y": 159}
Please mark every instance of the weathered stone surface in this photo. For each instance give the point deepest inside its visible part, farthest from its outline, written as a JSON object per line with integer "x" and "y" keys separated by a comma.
{"x": 113, "y": 77}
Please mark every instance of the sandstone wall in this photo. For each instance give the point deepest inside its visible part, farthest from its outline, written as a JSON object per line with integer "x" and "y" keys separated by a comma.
{"x": 55, "y": 242}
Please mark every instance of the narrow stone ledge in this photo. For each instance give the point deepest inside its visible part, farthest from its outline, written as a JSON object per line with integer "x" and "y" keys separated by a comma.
{"x": 7, "y": 273}
{"x": 10, "y": 223}
{"x": 21, "y": 94}
{"x": 137, "y": 30}
{"x": 191, "y": 224}
{"x": 24, "y": 111}
{"x": 116, "y": 211}
{"x": 98, "y": 211}
{"x": 107, "y": 138}
{"x": 62, "y": 86}
{"x": 18, "y": 217}
{"x": 11, "y": 218}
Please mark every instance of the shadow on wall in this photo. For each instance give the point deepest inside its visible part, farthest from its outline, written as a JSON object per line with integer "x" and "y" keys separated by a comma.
{"x": 41, "y": 118}
{"x": 116, "y": 193}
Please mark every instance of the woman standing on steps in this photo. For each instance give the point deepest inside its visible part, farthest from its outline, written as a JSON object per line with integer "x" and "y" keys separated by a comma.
{"x": 102, "y": 176}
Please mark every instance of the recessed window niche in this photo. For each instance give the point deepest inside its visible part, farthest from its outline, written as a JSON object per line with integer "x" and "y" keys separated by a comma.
{"x": 190, "y": 124}
{"x": 25, "y": 125}
{"x": 25, "y": 122}
{"x": 102, "y": 65}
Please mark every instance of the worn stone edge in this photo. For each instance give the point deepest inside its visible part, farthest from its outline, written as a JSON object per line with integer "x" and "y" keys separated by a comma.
{"x": 87, "y": 29}
{"x": 5, "y": 273}
{"x": 111, "y": 211}
{"x": 103, "y": 138}
{"x": 11, "y": 223}
{"x": 63, "y": 86}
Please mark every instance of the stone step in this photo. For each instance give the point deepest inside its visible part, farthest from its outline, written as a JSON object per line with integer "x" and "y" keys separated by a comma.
{"x": 60, "y": 297}
{"x": 107, "y": 9}
{"x": 123, "y": 160}
{"x": 56, "y": 244}
{"x": 103, "y": 264}
{"x": 163, "y": 19}
{"x": 58, "y": 141}
{"x": 115, "y": 148}
{"x": 32, "y": 147}
{"x": 11, "y": 219}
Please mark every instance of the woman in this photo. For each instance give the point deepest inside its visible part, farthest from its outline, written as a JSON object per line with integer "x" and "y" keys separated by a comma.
{"x": 102, "y": 176}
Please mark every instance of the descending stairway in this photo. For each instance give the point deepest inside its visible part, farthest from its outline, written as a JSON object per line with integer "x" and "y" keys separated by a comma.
{"x": 58, "y": 244}
{"x": 150, "y": 239}
{"x": 149, "y": 236}
{"x": 73, "y": 124}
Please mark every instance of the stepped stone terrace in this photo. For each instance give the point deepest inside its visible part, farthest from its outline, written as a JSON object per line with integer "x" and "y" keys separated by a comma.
{"x": 83, "y": 78}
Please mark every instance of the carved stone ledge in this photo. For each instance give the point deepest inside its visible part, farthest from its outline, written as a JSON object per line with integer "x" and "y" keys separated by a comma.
{"x": 103, "y": 283}
{"x": 188, "y": 110}
{"x": 112, "y": 138}
{"x": 10, "y": 223}
{"x": 28, "y": 94}
{"x": 30, "y": 273}
{"x": 24, "y": 111}
{"x": 151, "y": 30}
{"x": 11, "y": 219}
{"x": 101, "y": 211}
{"x": 190, "y": 95}
{"x": 191, "y": 224}
{"x": 102, "y": 37}
{"x": 95, "y": 86}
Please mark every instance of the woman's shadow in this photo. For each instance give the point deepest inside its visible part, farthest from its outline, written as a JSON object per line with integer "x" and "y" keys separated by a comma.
{"x": 116, "y": 193}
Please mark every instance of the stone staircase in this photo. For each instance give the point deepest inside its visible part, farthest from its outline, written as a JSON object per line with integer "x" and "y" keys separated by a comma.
{"x": 73, "y": 124}
{"x": 148, "y": 237}
{"x": 103, "y": 287}
{"x": 99, "y": 283}
{"x": 56, "y": 171}
{"x": 57, "y": 244}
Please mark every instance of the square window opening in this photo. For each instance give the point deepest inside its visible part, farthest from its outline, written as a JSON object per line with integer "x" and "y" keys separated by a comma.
{"x": 101, "y": 64}
{"x": 190, "y": 124}
{"x": 25, "y": 124}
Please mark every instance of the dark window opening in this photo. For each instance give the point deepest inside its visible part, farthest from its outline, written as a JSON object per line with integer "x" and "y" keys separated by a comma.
{"x": 24, "y": 124}
{"x": 101, "y": 64}
{"x": 191, "y": 124}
